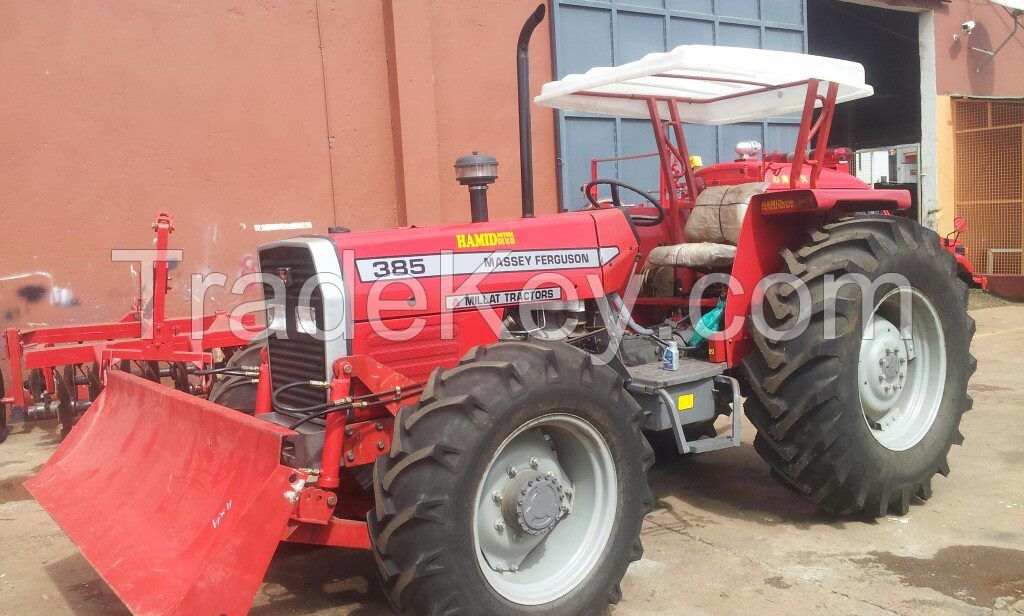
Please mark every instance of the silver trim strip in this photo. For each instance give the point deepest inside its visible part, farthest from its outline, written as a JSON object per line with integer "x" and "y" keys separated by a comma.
{"x": 325, "y": 261}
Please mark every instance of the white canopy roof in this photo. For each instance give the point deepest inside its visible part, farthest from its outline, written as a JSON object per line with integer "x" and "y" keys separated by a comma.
{"x": 1016, "y": 5}
{"x": 717, "y": 85}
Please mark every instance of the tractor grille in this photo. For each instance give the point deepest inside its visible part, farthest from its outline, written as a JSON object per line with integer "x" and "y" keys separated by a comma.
{"x": 297, "y": 356}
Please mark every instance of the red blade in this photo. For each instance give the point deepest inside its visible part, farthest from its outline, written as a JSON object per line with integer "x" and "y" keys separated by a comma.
{"x": 177, "y": 502}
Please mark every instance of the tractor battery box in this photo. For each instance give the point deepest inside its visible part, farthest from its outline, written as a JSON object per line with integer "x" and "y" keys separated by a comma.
{"x": 689, "y": 392}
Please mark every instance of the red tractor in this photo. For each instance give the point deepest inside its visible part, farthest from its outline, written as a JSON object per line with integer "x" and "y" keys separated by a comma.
{"x": 956, "y": 247}
{"x": 474, "y": 402}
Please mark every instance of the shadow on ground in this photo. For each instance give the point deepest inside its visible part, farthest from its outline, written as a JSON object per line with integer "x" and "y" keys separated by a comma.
{"x": 308, "y": 579}
{"x": 83, "y": 589}
{"x": 735, "y": 483}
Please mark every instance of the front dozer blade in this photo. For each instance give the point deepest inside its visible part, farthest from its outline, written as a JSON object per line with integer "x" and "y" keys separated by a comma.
{"x": 177, "y": 502}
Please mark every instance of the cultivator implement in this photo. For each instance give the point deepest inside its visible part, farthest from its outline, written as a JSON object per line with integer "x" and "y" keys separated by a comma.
{"x": 58, "y": 371}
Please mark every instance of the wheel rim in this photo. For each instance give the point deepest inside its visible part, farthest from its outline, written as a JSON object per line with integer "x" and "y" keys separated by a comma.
{"x": 902, "y": 374}
{"x": 558, "y": 496}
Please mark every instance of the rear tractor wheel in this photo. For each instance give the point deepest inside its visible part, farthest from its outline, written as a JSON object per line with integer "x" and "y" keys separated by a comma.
{"x": 860, "y": 416}
{"x": 515, "y": 485}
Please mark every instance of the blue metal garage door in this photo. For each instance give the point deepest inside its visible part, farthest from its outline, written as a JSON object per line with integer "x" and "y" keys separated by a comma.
{"x": 591, "y": 33}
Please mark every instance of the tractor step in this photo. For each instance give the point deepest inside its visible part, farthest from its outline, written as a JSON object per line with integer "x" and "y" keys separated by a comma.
{"x": 733, "y": 439}
{"x": 678, "y": 398}
{"x": 648, "y": 378}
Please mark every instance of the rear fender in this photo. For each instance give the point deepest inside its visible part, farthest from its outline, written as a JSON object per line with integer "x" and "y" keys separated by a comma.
{"x": 777, "y": 220}
{"x": 762, "y": 238}
{"x": 806, "y": 201}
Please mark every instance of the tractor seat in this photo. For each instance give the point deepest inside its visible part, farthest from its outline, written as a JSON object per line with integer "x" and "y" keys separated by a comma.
{"x": 695, "y": 255}
{"x": 713, "y": 229}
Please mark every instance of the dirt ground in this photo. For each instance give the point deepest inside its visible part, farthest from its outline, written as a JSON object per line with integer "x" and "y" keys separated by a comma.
{"x": 979, "y": 299}
{"x": 723, "y": 539}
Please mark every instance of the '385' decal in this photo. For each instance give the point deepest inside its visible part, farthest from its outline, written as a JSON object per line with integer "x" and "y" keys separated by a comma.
{"x": 465, "y": 263}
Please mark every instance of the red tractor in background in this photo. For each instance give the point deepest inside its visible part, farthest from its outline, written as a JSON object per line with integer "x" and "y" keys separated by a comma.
{"x": 956, "y": 247}
{"x": 480, "y": 414}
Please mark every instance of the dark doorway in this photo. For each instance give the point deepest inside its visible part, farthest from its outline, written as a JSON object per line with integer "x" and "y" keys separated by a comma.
{"x": 886, "y": 43}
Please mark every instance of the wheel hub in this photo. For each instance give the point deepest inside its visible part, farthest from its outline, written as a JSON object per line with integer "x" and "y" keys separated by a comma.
{"x": 901, "y": 373}
{"x": 882, "y": 370}
{"x": 551, "y": 482}
{"x": 533, "y": 502}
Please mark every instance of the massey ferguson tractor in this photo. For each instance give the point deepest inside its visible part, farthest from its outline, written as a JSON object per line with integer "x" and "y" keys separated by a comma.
{"x": 476, "y": 403}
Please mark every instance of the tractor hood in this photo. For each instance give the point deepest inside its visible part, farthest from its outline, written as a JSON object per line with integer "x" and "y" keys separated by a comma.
{"x": 426, "y": 270}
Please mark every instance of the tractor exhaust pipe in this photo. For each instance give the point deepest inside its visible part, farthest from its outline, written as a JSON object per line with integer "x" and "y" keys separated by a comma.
{"x": 525, "y": 129}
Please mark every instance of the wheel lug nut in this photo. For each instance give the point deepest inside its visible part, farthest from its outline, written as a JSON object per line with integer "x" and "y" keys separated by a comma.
{"x": 902, "y": 375}
{"x": 902, "y": 361}
{"x": 550, "y": 474}
{"x": 881, "y": 378}
{"x": 499, "y": 526}
{"x": 496, "y": 496}
{"x": 511, "y": 470}
{"x": 534, "y": 463}
{"x": 513, "y": 567}
{"x": 881, "y": 362}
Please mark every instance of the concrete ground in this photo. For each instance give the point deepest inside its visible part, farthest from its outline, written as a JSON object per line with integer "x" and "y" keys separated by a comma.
{"x": 723, "y": 539}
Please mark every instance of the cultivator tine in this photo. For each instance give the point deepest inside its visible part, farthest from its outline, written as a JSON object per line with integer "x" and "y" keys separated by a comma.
{"x": 177, "y": 502}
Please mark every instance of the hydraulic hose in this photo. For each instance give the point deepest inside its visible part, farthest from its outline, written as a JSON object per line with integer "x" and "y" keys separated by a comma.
{"x": 344, "y": 404}
{"x": 231, "y": 386}
{"x": 300, "y": 409}
{"x": 230, "y": 371}
{"x": 348, "y": 404}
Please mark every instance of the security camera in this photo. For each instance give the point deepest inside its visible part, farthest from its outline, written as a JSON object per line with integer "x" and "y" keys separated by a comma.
{"x": 967, "y": 27}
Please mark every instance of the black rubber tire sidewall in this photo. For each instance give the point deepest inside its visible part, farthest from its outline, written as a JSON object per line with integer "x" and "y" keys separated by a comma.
{"x": 462, "y": 578}
{"x": 804, "y": 396}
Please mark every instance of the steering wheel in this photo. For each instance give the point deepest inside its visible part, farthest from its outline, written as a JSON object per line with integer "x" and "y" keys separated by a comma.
{"x": 615, "y": 185}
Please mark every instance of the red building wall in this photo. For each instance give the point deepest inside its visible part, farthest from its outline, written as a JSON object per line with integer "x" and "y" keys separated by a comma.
{"x": 234, "y": 113}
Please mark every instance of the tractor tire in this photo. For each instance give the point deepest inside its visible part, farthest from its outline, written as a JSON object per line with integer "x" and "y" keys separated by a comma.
{"x": 236, "y": 392}
{"x": 854, "y": 424}
{"x": 449, "y": 512}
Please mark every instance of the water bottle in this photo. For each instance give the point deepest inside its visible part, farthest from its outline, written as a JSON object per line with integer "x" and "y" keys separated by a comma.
{"x": 672, "y": 356}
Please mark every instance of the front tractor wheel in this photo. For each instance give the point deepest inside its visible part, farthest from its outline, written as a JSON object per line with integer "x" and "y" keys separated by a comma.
{"x": 515, "y": 485}
{"x": 858, "y": 412}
